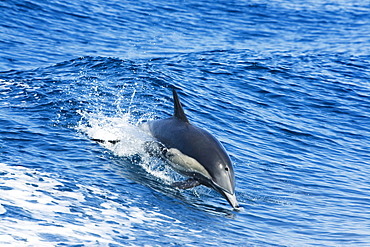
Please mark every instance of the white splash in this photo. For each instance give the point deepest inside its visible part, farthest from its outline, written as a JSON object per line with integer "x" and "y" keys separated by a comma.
{"x": 99, "y": 126}
{"x": 131, "y": 139}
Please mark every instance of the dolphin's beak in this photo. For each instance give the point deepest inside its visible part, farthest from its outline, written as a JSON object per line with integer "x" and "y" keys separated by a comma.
{"x": 231, "y": 198}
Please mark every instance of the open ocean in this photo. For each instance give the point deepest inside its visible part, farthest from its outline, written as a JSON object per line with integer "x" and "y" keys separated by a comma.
{"x": 284, "y": 85}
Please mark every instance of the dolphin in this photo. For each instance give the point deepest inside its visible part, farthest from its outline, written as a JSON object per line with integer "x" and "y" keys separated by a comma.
{"x": 192, "y": 152}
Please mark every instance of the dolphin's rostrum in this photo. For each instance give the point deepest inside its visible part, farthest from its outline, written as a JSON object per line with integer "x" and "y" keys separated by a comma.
{"x": 193, "y": 152}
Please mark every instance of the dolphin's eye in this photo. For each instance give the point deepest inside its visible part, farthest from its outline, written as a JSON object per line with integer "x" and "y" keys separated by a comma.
{"x": 226, "y": 168}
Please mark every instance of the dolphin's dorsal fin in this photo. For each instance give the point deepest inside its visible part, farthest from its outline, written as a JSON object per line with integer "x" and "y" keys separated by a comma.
{"x": 178, "y": 111}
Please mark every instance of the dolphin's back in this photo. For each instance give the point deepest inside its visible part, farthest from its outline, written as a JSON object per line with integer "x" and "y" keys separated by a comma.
{"x": 186, "y": 137}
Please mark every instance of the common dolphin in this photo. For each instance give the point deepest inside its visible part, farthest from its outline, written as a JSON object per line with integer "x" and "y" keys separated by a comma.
{"x": 192, "y": 152}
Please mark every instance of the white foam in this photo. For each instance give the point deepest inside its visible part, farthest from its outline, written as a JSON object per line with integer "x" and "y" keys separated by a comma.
{"x": 46, "y": 211}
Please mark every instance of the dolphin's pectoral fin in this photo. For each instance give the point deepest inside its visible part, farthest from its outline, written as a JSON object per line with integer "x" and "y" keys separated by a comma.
{"x": 105, "y": 141}
{"x": 187, "y": 184}
{"x": 154, "y": 148}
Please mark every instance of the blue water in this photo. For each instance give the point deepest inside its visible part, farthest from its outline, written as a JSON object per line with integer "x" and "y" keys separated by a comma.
{"x": 284, "y": 85}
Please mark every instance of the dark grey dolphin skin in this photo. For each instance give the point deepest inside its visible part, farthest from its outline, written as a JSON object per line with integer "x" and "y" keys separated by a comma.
{"x": 193, "y": 152}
